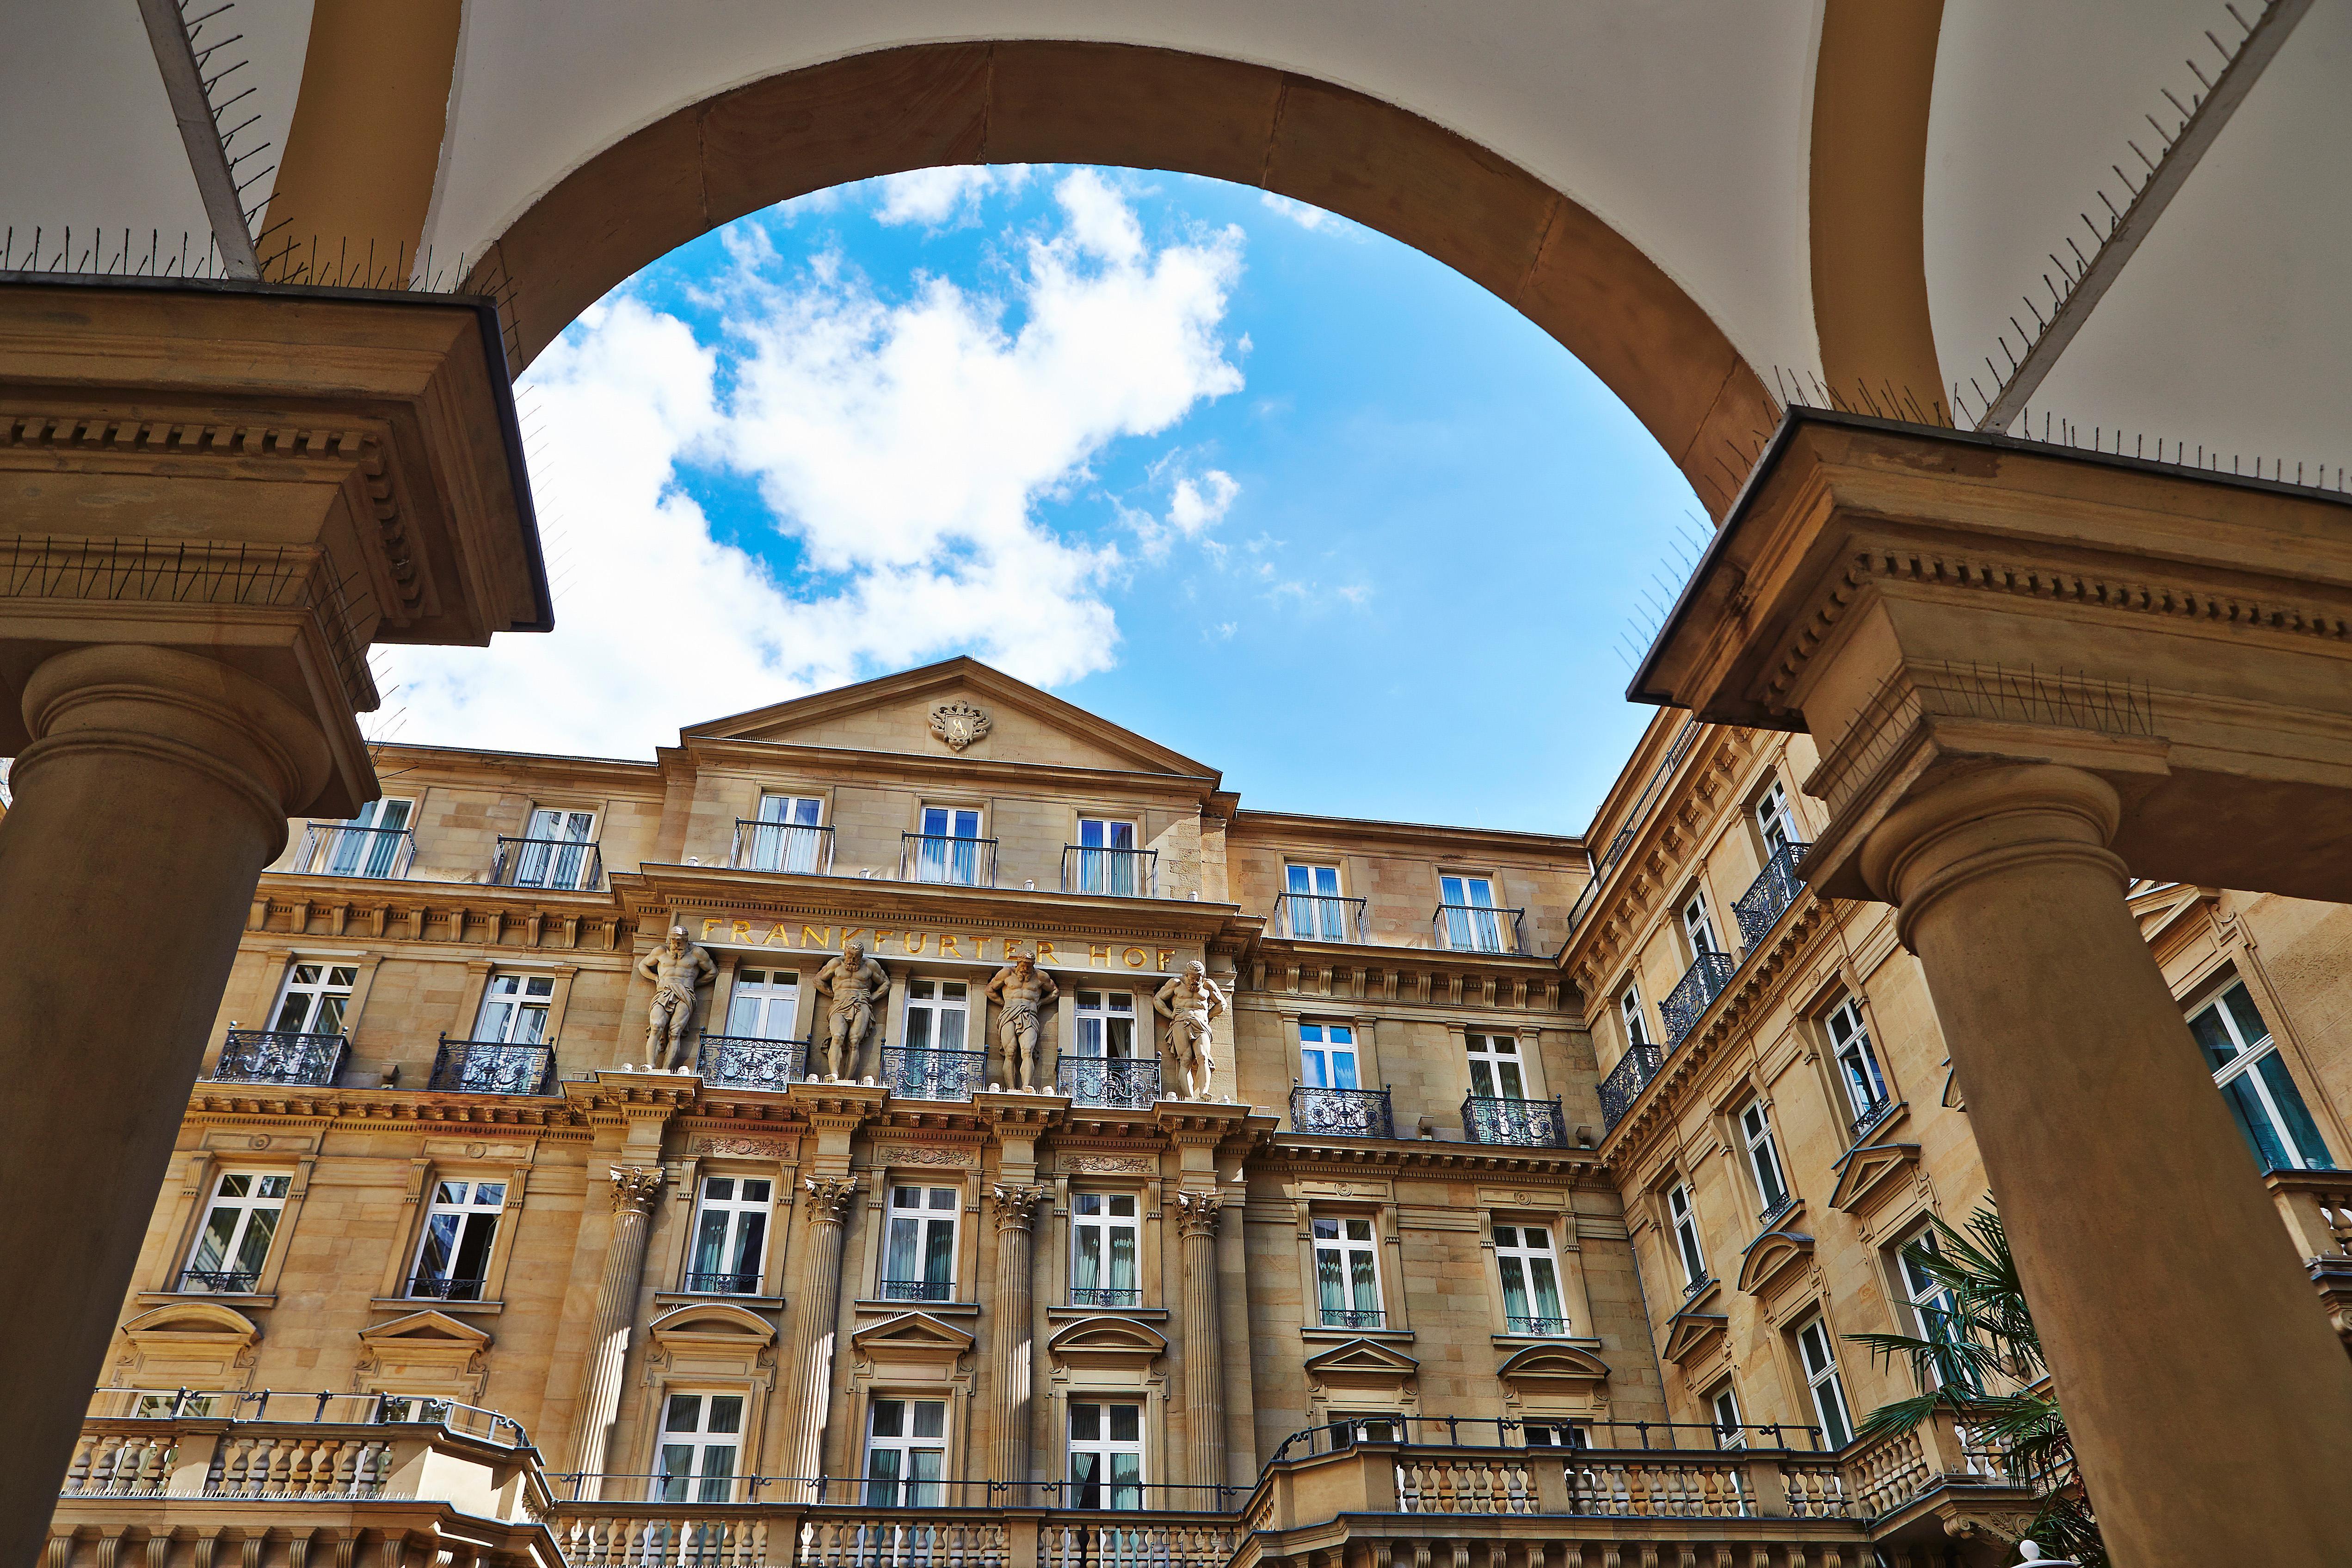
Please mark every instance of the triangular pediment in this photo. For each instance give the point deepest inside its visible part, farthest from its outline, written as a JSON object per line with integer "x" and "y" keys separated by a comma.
{"x": 1774, "y": 1253}
{"x": 1864, "y": 1175}
{"x": 1564, "y": 1367}
{"x": 1107, "y": 1341}
{"x": 422, "y": 1330}
{"x": 1017, "y": 723}
{"x": 1691, "y": 1335}
{"x": 912, "y": 1336}
{"x": 1361, "y": 1358}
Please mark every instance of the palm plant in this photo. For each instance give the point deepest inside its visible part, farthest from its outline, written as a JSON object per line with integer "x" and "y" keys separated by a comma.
{"x": 1979, "y": 1336}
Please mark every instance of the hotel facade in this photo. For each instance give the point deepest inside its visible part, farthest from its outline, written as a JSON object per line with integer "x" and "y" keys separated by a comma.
{"x": 1538, "y": 1183}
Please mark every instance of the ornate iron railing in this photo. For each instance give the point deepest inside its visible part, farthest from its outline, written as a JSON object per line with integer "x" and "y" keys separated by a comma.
{"x": 918, "y": 1290}
{"x": 1341, "y": 1113}
{"x": 742, "y": 1061}
{"x": 449, "y": 1289}
{"x": 1687, "y": 1003}
{"x": 334, "y": 848}
{"x": 1696, "y": 1285}
{"x": 1476, "y": 928}
{"x": 913, "y": 1074}
{"x": 563, "y": 865}
{"x": 1530, "y": 1124}
{"x": 959, "y": 862}
{"x": 1115, "y": 874}
{"x": 1313, "y": 917}
{"x": 1106, "y": 1296}
{"x": 1125, "y": 1086}
{"x": 722, "y": 1284}
{"x": 268, "y": 1056}
{"x": 1625, "y": 1082}
{"x": 1354, "y": 1318}
{"x": 1765, "y": 1220}
{"x": 1523, "y": 1323}
{"x": 1768, "y": 896}
{"x": 1872, "y": 1114}
{"x": 226, "y": 1281}
{"x": 799, "y": 847}
{"x": 493, "y": 1067}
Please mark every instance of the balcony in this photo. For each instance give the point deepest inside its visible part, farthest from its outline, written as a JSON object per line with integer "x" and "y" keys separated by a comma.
{"x": 1528, "y": 1123}
{"x": 1520, "y": 1323}
{"x": 1352, "y": 1318}
{"x": 556, "y": 865}
{"x": 219, "y": 1281}
{"x": 1476, "y": 928}
{"x": 1106, "y": 1296}
{"x": 493, "y": 1067}
{"x": 332, "y": 849}
{"x": 958, "y": 863}
{"x": 1312, "y": 917}
{"x": 724, "y": 1284}
{"x": 1768, "y": 896}
{"x": 445, "y": 1288}
{"x": 1110, "y": 873}
{"x": 1108, "y": 1082}
{"x": 1341, "y": 1113}
{"x": 794, "y": 847}
{"x": 918, "y": 1290}
{"x": 932, "y": 1074}
{"x": 268, "y": 1056}
{"x": 1625, "y": 1082}
{"x": 742, "y": 1062}
{"x": 1687, "y": 1003}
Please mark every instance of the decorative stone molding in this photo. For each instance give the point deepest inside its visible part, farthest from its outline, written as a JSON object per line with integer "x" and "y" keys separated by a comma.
{"x": 960, "y": 723}
{"x": 1196, "y": 1212}
{"x": 1108, "y": 1165}
{"x": 1017, "y": 1207}
{"x": 749, "y": 1148}
{"x": 830, "y": 1196}
{"x": 634, "y": 1187}
{"x": 926, "y": 1154}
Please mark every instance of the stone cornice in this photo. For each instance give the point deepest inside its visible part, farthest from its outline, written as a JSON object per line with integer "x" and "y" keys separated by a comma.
{"x": 916, "y": 767}
{"x": 1252, "y": 828}
{"x": 439, "y": 914}
{"x": 1298, "y": 1151}
{"x": 652, "y": 891}
{"x": 467, "y": 764}
{"x": 280, "y": 1105}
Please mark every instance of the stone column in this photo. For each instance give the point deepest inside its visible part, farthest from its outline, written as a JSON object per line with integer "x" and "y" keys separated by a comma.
{"x": 1204, "y": 1347}
{"x": 634, "y": 1187}
{"x": 1015, "y": 1336}
{"x": 2201, "y": 1383}
{"x": 813, "y": 1324}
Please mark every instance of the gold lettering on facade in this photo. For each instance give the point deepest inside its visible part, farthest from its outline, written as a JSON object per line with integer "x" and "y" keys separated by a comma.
{"x": 742, "y": 931}
{"x": 880, "y": 937}
{"x": 948, "y": 948}
{"x": 1167, "y": 957}
{"x": 1044, "y": 951}
{"x": 916, "y": 941}
{"x": 1135, "y": 958}
{"x": 776, "y": 934}
{"x": 1099, "y": 954}
{"x": 816, "y": 936}
{"x": 710, "y": 925}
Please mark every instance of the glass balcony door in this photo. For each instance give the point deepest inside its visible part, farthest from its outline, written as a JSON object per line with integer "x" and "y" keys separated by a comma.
{"x": 555, "y": 853}
{"x": 1105, "y": 1455}
{"x": 1108, "y": 862}
{"x": 1317, "y": 913}
{"x": 764, "y": 1005}
{"x": 1327, "y": 1055}
{"x": 786, "y": 838}
{"x": 314, "y": 999}
{"x": 950, "y": 850}
{"x": 906, "y": 1453}
{"x": 1495, "y": 1067}
{"x": 2253, "y": 1079}
{"x": 700, "y": 1436}
{"x": 369, "y": 844}
{"x": 1471, "y": 925}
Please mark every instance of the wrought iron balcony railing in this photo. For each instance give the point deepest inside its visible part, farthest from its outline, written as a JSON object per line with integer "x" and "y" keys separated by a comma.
{"x": 1625, "y": 1082}
{"x": 1768, "y": 896}
{"x": 1114, "y": 874}
{"x": 797, "y": 847}
{"x": 959, "y": 863}
{"x": 269, "y": 1056}
{"x": 1872, "y": 1114}
{"x": 1687, "y": 1003}
{"x": 1354, "y": 1318}
{"x": 493, "y": 1067}
{"x": 445, "y": 1289}
{"x": 1104, "y": 1080}
{"x": 1521, "y": 1324}
{"x": 1312, "y": 917}
{"x": 918, "y": 1290}
{"x": 742, "y": 1062}
{"x": 1341, "y": 1113}
{"x": 335, "y": 848}
{"x": 1476, "y": 928}
{"x": 1529, "y": 1124}
{"x": 224, "y": 1281}
{"x": 722, "y": 1284}
{"x": 1772, "y": 1212}
{"x": 1106, "y": 1296}
{"x": 1696, "y": 1285}
{"x": 560, "y": 865}
{"x": 932, "y": 1074}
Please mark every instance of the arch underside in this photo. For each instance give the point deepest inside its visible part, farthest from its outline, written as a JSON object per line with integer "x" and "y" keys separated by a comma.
{"x": 1037, "y": 102}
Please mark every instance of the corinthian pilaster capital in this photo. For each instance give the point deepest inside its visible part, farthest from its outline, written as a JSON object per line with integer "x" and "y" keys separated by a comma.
{"x": 1017, "y": 1207}
{"x": 1196, "y": 1212}
{"x": 829, "y": 1196}
{"x": 634, "y": 1187}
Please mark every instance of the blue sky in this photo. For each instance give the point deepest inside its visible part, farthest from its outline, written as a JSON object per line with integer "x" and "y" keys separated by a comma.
{"x": 1255, "y": 481}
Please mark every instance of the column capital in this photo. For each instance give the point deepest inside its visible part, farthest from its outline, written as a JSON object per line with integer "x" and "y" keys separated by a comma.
{"x": 1017, "y": 1207}
{"x": 634, "y": 1187}
{"x": 830, "y": 1196}
{"x": 1974, "y": 821}
{"x": 1197, "y": 1212}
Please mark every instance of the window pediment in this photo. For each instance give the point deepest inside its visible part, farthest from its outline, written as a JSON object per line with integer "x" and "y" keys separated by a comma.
{"x": 1107, "y": 1341}
{"x": 1774, "y": 1253}
{"x": 1554, "y": 1369}
{"x": 1693, "y": 1335}
{"x": 1363, "y": 1363}
{"x": 913, "y": 1338}
{"x": 180, "y": 1320}
{"x": 714, "y": 1323}
{"x": 1865, "y": 1174}
{"x": 422, "y": 1335}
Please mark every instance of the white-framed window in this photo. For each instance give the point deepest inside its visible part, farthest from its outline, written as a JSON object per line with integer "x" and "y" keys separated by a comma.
{"x": 919, "y": 1263}
{"x": 1326, "y": 1056}
{"x": 558, "y": 849}
{"x": 1313, "y": 909}
{"x": 1724, "y": 1405}
{"x": 1819, "y": 1358}
{"x": 1773, "y": 820}
{"x": 1348, "y": 1273}
{"x": 238, "y": 1226}
{"x": 1629, "y": 1007}
{"x": 1109, "y": 858}
{"x": 1106, "y": 1454}
{"x": 452, "y": 1259}
{"x": 1105, "y": 1022}
{"x": 789, "y": 835}
{"x": 950, "y": 849}
{"x": 315, "y": 999}
{"x": 1698, "y": 925}
{"x": 1935, "y": 1314}
{"x": 1103, "y": 1251}
{"x": 1857, "y": 1065}
{"x": 1684, "y": 1221}
{"x": 936, "y": 1011}
{"x": 1530, "y": 1271}
{"x": 1554, "y": 1435}
{"x": 764, "y": 1005}
{"x": 2253, "y": 1079}
{"x": 905, "y": 1452}
{"x": 374, "y": 843}
{"x": 933, "y": 1063}
{"x": 1495, "y": 1066}
{"x": 514, "y": 1009}
{"x": 1763, "y": 1158}
{"x": 1472, "y": 923}
{"x": 701, "y": 1439}
{"x": 731, "y": 1235}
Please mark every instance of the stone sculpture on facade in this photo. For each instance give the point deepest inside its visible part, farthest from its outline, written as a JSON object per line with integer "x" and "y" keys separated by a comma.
{"x": 1189, "y": 1003}
{"x": 854, "y": 986}
{"x": 677, "y": 969}
{"x": 1019, "y": 989}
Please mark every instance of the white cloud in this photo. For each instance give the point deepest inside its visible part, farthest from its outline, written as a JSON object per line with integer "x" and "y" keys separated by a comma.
{"x": 946, "y": 196}
{"x": 1314, "y": 219}
{"x": 903, "y": 445}
{"x": 1194, "y": 506}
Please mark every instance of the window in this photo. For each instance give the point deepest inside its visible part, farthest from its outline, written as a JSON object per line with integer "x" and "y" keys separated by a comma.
{"x": 514, "y": 1009}
{"x": 730, "y": 1236}
{"x": 1102, "y": 1251}
{"x": 1553, "y": 1435}
{"x": 1105, "y": 1455}
{"x": 950, "y": 848}
{"x": 1530, "y": 1280}
{"x": 2246, "y": 1063}
{"x": 1312, "y": 907}
{"x": 921, "y": 1266}
{"x": 374, "y": 843}
{"x": 764, "y": 1005}
{"x": 1821, "y": 1376}
{"x": 1773, "y": 820}
{"x": 1107, "y": 1025}
{"x": 788, "y": 835}
{"x": 1495, "y": 1066}
{"x": 1472, "y": 924}
{"x": 1932, "y": 1308}
{"x": 1108, "y": 859}
{"x": 235, "y": 1242}
{"x": 558, "y": 849}
{"x": 314, "y": 999}
{"x": 700, "y": 1434}
{"x": 453, "y": 1261}
{"x": 1628, "y": 1006}
{"x": 906, "y": 1453}
{"x": 1857, "y": 1066}
{"x": 1685, "y": 1225}
{"x": 1725, "y": 1405}
{"x": 1699, "y": 926}
{"x": 1763, "y": 1158}
{"x": 1327, "y": 1055}
{"x": 1347, "y": 1275}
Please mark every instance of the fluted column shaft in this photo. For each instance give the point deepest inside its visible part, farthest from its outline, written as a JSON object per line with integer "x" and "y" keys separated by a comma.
{"x": 814, "y": 1325}
{"x": 635, "y": 1188}
{"x": 1204, "y": 1349}
{"x": 1014, "y": 1338}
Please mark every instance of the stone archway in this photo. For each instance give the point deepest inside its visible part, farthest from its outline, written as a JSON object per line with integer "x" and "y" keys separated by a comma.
{"x": 891, "y": 111}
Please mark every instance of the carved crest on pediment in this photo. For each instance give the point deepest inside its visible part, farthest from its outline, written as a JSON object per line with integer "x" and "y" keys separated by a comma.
{"x": 960, "y": 723}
